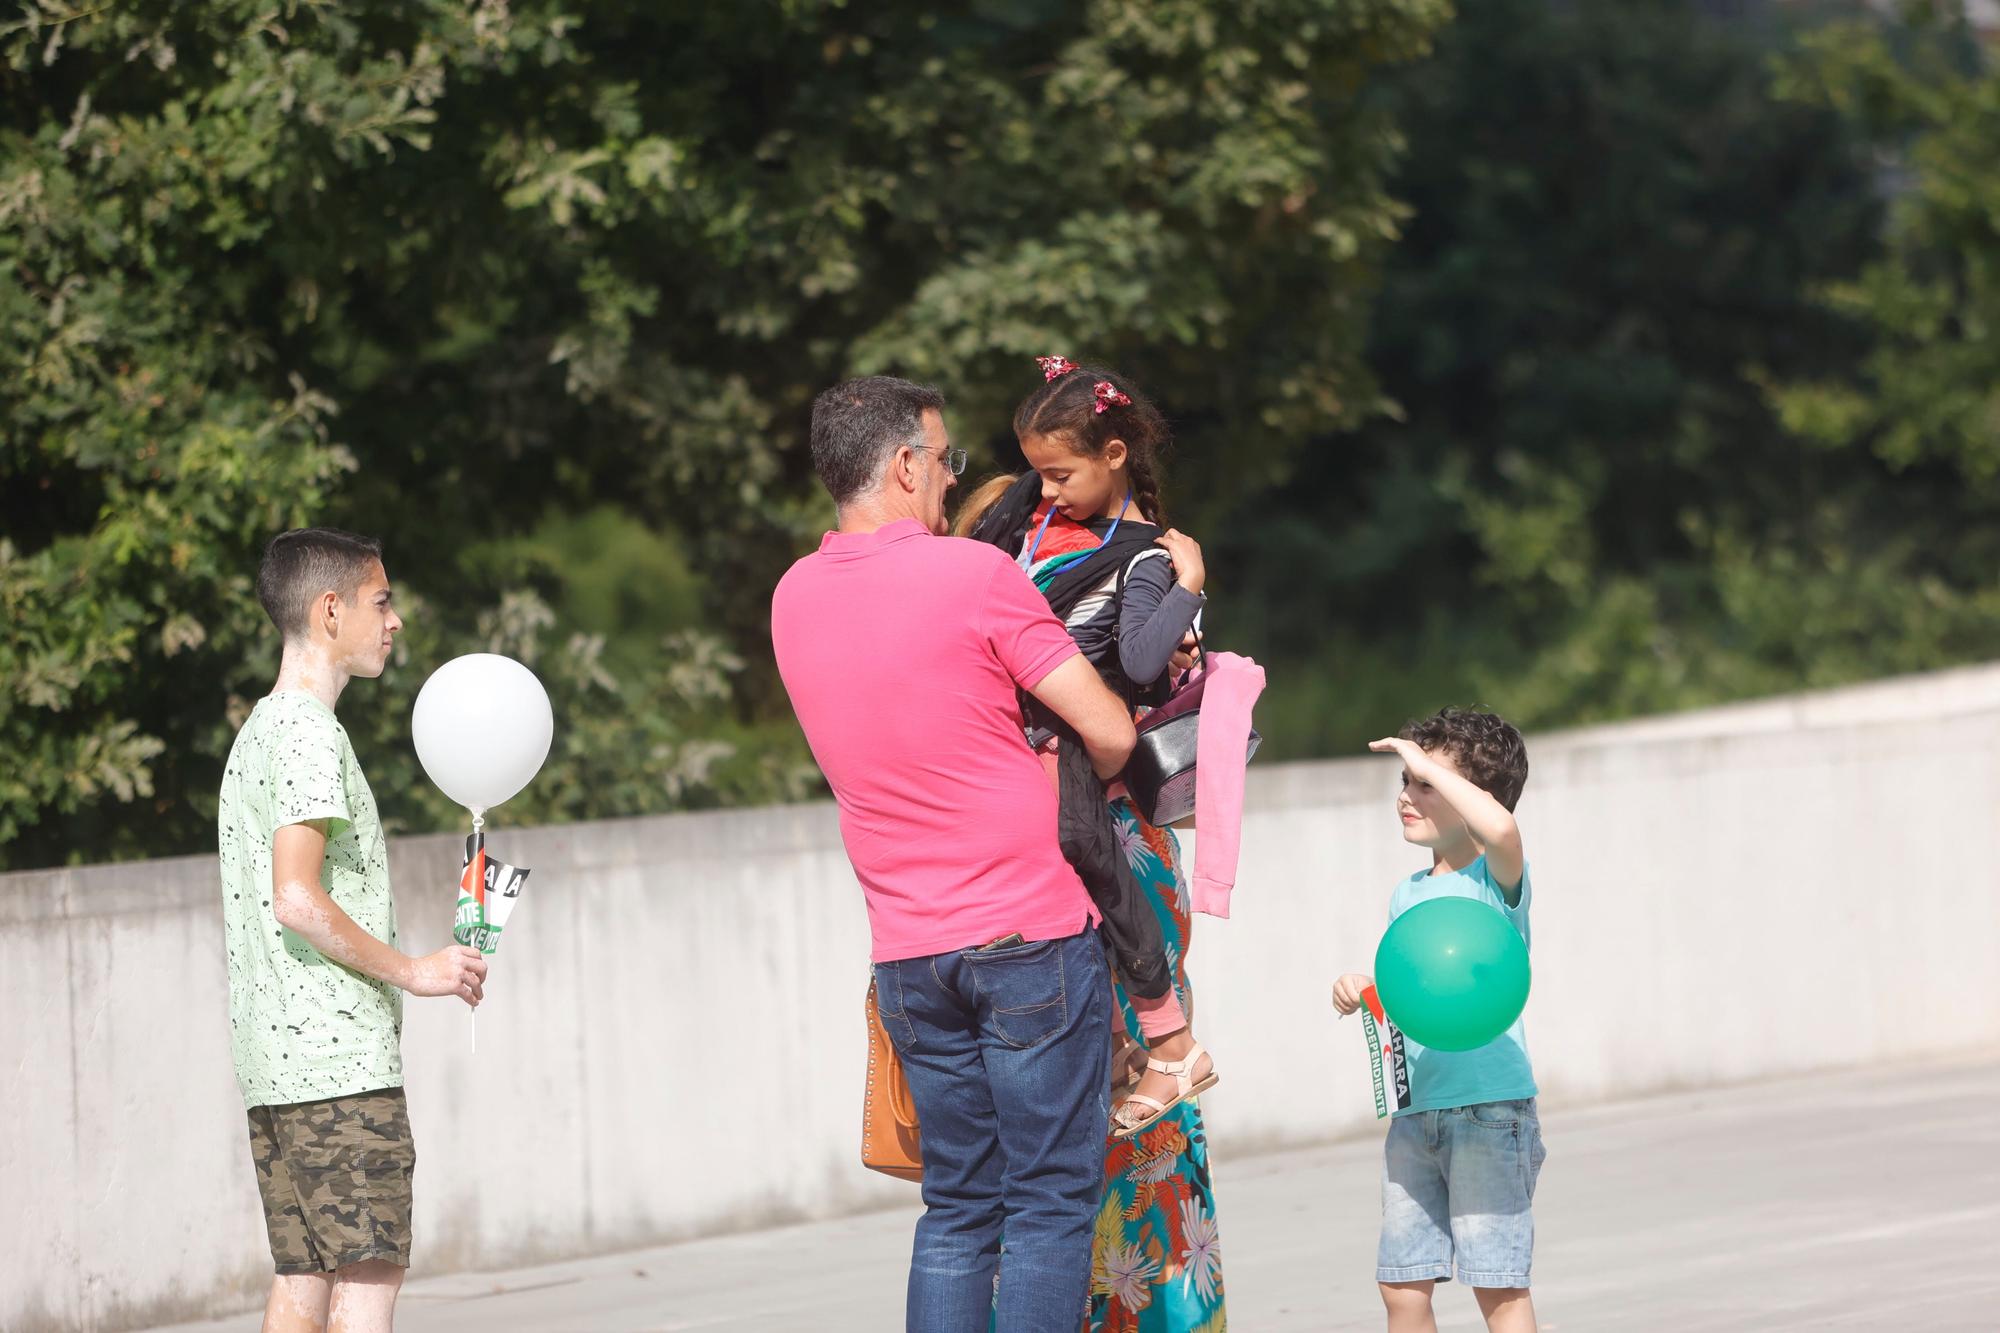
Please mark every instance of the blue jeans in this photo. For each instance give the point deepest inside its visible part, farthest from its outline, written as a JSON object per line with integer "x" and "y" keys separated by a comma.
{"x": 1008, "y": 1055}
{"x": 1458, "y": 1190}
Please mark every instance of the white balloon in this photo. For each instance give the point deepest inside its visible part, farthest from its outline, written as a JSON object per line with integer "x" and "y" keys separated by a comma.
{"x": 482, "y": 727}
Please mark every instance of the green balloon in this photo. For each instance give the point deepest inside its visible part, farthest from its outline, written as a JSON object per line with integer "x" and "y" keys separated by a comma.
{"x": 1452, "y": 973}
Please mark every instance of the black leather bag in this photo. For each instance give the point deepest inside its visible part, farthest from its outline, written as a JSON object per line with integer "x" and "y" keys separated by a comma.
{"x": 1160, "y": 774}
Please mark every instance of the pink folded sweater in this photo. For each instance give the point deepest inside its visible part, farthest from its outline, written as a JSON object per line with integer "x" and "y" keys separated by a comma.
{"x": 1231, "y": 690}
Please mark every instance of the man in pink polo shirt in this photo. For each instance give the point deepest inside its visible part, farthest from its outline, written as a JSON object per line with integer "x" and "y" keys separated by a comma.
{"x": 903, "y": 650}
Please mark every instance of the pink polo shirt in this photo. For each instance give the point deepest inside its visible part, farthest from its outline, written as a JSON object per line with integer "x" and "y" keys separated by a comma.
{"x": 901, "y": 652}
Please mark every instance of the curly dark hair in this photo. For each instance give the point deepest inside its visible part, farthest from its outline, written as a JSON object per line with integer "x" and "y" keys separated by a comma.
{"x": 1484, "y": 747}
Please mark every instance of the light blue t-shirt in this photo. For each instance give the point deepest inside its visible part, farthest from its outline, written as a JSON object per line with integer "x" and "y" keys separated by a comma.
{"x": 1499, "y": 1070}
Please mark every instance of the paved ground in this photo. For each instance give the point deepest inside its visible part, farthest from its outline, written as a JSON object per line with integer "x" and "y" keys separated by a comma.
{"x": 1850, "y": 1201}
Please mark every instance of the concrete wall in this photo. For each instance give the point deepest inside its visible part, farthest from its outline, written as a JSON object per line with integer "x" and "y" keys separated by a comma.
{"x": 672, "y": 1041}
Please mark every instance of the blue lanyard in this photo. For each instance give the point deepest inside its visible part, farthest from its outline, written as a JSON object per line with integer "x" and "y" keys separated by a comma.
{"x": 1028, "y": 560}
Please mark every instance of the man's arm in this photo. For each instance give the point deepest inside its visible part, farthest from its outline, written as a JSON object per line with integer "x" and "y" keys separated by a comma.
{"x": 301, "y": 905}
{"x": 1075, "y": 693}
{"x": 1491, "y": 824}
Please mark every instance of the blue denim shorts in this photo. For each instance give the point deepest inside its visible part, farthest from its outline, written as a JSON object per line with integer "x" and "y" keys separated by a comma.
{"x": 1456, "y": 1190}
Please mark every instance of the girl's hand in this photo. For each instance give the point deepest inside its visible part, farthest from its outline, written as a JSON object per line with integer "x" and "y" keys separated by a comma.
{"x": 1185, "y": 552}
{"x": 1347, "y": 992}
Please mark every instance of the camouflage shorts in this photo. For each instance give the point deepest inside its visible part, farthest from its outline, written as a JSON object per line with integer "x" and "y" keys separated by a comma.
{"x": 335, "y": 1176}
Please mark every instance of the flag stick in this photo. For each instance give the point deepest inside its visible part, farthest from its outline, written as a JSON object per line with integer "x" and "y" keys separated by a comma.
{"x": 478, "y": 827}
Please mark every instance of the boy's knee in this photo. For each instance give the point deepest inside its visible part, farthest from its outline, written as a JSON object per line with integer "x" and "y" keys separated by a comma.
{"x": 302, "y": 1284}
{"x": 1507, "y": 1309}
{"x": 299, "y": 1299}
{"x": 1406, "y": 1295}
{"x": 372, "y": 1273}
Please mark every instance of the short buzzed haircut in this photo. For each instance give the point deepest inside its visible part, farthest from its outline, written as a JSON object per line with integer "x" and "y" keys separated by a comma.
{"x": 1484, "y": 747}
{"x": 301, "y": 564}
{"x": 856, "y": 425}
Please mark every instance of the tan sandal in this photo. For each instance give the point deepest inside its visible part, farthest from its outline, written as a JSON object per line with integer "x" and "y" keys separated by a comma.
{"x": 1186, "y": 1088}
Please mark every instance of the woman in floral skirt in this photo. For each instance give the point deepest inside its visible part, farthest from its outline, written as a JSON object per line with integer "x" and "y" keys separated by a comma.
{"x": 1094, "y": 442}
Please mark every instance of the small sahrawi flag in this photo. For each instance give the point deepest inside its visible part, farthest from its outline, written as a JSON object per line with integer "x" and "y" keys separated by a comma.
{"x": 1385, "y": 1056}
{"x": 487, "y": 891}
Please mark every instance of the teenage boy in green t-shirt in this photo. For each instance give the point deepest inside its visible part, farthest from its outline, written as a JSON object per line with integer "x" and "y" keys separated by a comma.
{"x": 315, "y": 978}
{"x": 1462, "y": 1155}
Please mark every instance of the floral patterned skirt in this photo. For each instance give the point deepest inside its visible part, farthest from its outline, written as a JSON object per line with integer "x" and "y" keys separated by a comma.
{"x": 1157, "y": 1258}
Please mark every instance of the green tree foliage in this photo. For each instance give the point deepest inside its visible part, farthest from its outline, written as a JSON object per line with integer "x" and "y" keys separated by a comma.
{"x": 1922, "y": 410}
{"x": 499, "y": 280}
{"x": 1587, "y": 504}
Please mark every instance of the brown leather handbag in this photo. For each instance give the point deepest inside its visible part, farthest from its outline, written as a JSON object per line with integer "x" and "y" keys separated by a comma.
{"x": 889, "y": 1141}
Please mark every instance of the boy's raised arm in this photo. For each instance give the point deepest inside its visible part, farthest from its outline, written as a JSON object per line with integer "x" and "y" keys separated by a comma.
{"x": 301, "y": 905}
{"x": 1490, "y": 823}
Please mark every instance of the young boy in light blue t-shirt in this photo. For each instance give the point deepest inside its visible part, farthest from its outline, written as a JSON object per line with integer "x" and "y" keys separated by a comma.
{"x": 1463, "y": 1151}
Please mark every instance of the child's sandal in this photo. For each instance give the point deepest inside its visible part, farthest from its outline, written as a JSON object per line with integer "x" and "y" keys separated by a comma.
{"x": 1186, "y": 1088}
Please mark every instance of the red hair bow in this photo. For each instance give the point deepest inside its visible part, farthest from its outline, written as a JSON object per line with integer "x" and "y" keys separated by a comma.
{"x": 1054, "y": 366}
{"x": 1108, "y": 397}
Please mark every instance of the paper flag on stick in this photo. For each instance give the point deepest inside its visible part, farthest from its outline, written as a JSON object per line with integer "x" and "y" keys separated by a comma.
{"x": 487, "y": 891}
{"x": 1387, "y": 1064}
{"x": 488, "y": 888}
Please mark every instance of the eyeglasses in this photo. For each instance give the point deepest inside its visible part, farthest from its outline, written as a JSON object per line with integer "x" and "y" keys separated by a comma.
{"x": 953, "y": 459}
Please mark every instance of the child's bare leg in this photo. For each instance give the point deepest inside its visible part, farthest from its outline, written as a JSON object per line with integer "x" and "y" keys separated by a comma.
{"x": 298, "y": 1303}
{"x": 1507, "y": 1309}
{"x": 1409, "y": 1306}
{"x": 1164, "y": 1028}
{"x": 364, "y": 1298}
{"x": 1174, "y": 1046}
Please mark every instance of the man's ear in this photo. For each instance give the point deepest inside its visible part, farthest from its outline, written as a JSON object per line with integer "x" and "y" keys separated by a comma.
{"x": 906, "y": 469}
{"x": 326, "y": 613}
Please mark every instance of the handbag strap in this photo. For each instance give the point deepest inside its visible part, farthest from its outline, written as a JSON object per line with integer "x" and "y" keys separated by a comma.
{"x": 1028, "y": 557}
{"x": 882, "y": 1054}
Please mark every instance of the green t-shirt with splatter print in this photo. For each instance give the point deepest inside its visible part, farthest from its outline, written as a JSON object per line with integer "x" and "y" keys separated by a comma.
{"x": 303, "y": 1027}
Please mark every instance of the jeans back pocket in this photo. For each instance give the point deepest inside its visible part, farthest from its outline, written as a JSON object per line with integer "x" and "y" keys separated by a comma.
{"x": 1023, "y": 988}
